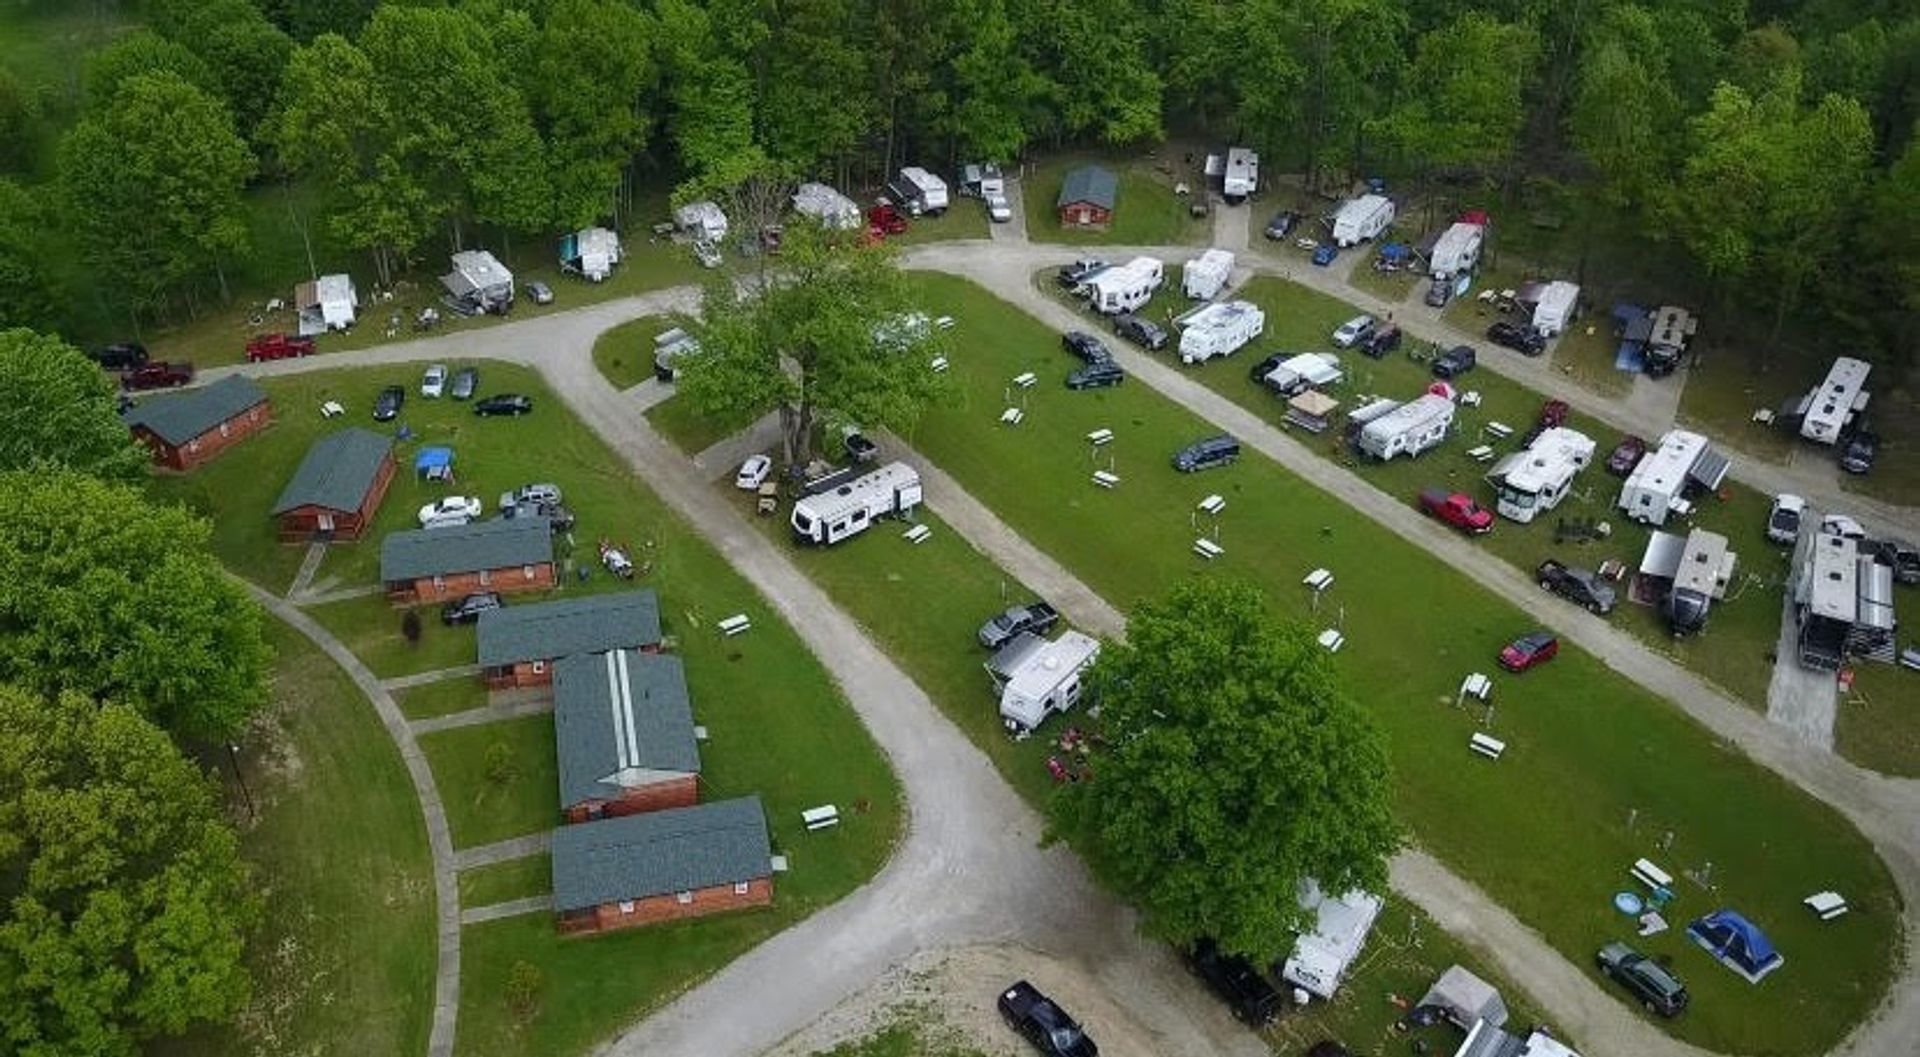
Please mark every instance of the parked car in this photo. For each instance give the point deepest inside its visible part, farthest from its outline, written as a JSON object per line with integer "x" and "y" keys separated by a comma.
{"x": 1036, "y": 617}
{"x": 1140, "y": 331}
{"x": 467, "y": 610}
{"x": 753, "y": 473}
{"x": 1529, "y": 651}
{"x": 1649, "y": 981}
{"x": 1457, "y": 509}
{"x": 386, "y": 406}
{"x": 433, "y": 383}
{"x": 278, "y": 347}
{"x": 1282, "y": 224}
{"x": 538, "y": 492}
{"x": 1259, "y": 371}
{"x": 559, "y": 516}
{"x": 157, "y": 375}
{"x": 999, "y": 210}
{"x": 1783, "y": 521}
{"x": 452, "y": 509}
{"x": 120, "y": 355}
{"x": 886, "y": 220}
{"x": 1253, "y": 1000}
{"x": 504, "y": 404}
{"x": 1072, "y": 275}
{"x": 1626, "y": 455}
{"x": 1044, "y": 1024}
{"x": 1856, "y": 456}
{"x": 1324, "y": 254}
{"x": 1454, "y": 362}
{"x": 1085, "y": 346}
{"x": 1904, "y": 558}
{"x": 1579, "y": 586}
{"x": 1353, "y": 331}
{"x": 1382, "y": 341}
{"x": 1439, "y": 292}
{"x": 540, "y": 293}
{"x": 1103, "y": 374}
{"x": 1519, "y": 337}
{"x": 1206, "y": 454}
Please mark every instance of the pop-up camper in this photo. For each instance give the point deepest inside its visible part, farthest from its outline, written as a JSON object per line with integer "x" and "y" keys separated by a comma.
{"x": 327, "y": 303}
{"x": 590, "y": 253}
{"x": 478, "y": 283}
{"x": 1308, "y": 370}
{"x": 829, "y": 207}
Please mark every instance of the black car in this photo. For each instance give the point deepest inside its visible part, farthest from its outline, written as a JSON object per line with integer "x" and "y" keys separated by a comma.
{"x": 1517, "y": 336}
{"x": 1856, "y": 456}
{"x": 504, "y": 404}
{"x": 1206, "y": 454}
{"x": 1260, "y": 370}
{"x": 1044, "y": 1024}
{"x": 1072, "y": 275}
{"x": 1085, "y": 346}
{"x": 121, "y": 355}
{"x": 1656, "y": 988}
{"x": 1454, "y": 362}
{"x": 1579, "y": 586}
{"x": 1439, "y": 292}
{"x": 1099, "y": 375}
{"x": 387, "y": 405}
{"x": 1905, "y": 560}
{"x": 468, "y": 609}
{"x": 1140, "y": 331}
{"x": 465, "y": 381}
{"x": 1382, "y": 341}
{"x": 1253, "y": 1000}
{"x": 1282, "y": 224}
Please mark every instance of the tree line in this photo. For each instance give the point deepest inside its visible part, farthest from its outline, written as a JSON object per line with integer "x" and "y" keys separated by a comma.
{"x": 1769, "y": 140}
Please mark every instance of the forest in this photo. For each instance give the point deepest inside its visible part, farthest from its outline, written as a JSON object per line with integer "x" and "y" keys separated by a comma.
{"x": 1769, "y": 144}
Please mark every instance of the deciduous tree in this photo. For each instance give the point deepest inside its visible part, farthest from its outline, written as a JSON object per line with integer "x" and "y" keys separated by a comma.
{"x": 26, "y": 294}
{"x": 1625, "y": 117}
{"x": 1465, "y": 104}
{"x": 594, "y": 74}
{"x": 1236, "y": 768}
{"x": 60, "y": 410}
{"x": 142, "y": 52}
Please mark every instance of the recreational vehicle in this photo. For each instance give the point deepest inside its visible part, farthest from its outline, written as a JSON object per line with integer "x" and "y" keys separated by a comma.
{"x": 1409, "y": 428}
{"x": 1220, "y": 330}
{"x": 1205, "y": 276}
{"x": 1661, "y": 481}
{"x": 1362, "y": 218}
{"x": 1458, "y": 250}
{"x": 1530, "y": 482}
{"x": 831, "y": 516}
{"x": 918, "y": 191}
{"x": 1036, "y": 678}
{"x": 1554, "y": 307}
{"x": 1832, "y": 405}
{"x": 1309, "y": 370}
{"x": 702, "y": 220}
{"x": 1126, "y": 287}
{"x": 1241, "y": 176}
{"x": 1696, "y": 569}
{"x": 590, "y": 253}
{"x": 1843, "y": 601}
{"x": 831, "y": 209}
{"x": 1321, "y": 957}
{"x": 478, "y": 283}
{"x": 327, "y": 303}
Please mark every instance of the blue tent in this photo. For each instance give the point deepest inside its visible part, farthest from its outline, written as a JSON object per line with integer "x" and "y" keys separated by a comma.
{"x": 1737, "y": 943}
{"x": 434, "y": 464}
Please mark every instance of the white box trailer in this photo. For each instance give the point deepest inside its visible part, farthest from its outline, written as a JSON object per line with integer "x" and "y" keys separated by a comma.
{"x": 1657, "y": 487}
{"x": 1043, "y": 678}
{"x": 1530, "y": 482}
{"x": 702, "y": 220}
{"x": 1206, "y": 275}
{"x": 1833, "y": 404}
{"x": 1457, "y": 250}
{"x": 919, "y": 191}
{"x": 1220, "y": 330}
{"x": 850, "y": 509}
{"x": 1362, "y": 218}
{"x": 830, "y": 208}
{"x": 1241, "y": 176}
{"x": 1554, "y": 310}
{"x": 1126, "y": 287}
{"x": 1409, "y": 428}
{"x": 327, "y": 303}
{"x": 1320, "y": 958}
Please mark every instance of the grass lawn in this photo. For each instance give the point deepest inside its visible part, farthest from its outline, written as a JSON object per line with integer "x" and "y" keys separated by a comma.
{"x": 1586, "y": 747}
{"x": 904, "y": 1038}
{"x": 485, "y": 804}
{"x": 965, "y": 218}
{"x": 506, "y": 881}
{"x": 1585, "y": 354}
{"x": 625, "y": 353}
{"x": 442, "y": 698}
{"x": 690, "y": 431}
{"x": 1724, "y": 388}
{"x": 1875, "y": 726}
{"x": 1146, "y": 212}
{"x": 345, "y": 960}
{"x": 370, "y": 627}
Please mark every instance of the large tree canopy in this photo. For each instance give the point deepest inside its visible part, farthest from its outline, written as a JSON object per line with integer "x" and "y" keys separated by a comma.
{"x": 106, "y": 594}
{"x": 61, "y": 411}
{"x": 1236, "y": 769}
{"x": 124, "y": 905}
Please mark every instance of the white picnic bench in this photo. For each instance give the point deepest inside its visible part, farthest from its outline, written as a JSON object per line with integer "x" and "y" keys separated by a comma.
{"x": 944, "y": 322}
{"x": 1476, "y": 686}
{"x": 820, "y": 817}
{"x": 1208, "y": 549}
{"x": 1487, "y": 745}
{"x": 1319, "y": 580}
{"x": 939, "y": 364}
{"x": 1650, "y": 875}
{"x": 917, "y": 534}
{"x": 331, "y": 408}
{"x": 1827, "y": 905}
{"x": 1483, "y": 453}
{"x": 1470, "y": 398}
{"x": 1100, "y": 437}
{"x": 1105, "y": 479}
{"x": 734, "y": 625}
{"x": 1213, "y": 504}
{"x": 1025, "y": 380}
{"x": 1499, "y": 430}
{"x": 1332, "y": 640}
{"x": 1012, "y": 416}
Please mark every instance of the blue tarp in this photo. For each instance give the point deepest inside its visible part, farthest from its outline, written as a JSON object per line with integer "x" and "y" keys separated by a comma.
{"x": 1631, "y": 357}
{"x": 1737, "y": 942}
{"x": 1394, "y": 251}
{"x": 433, "y": 459}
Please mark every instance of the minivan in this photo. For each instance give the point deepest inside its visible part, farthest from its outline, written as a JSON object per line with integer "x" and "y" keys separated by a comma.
{"x": 1206, "y": 454}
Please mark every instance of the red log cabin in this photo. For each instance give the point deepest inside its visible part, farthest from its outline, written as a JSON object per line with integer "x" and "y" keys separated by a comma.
{"x": 183, "y": 430}
{"x": 662, "y": 866}
{"x": 434, "y": 565}
{"x": 623, "y": 734}
{"x": 518, "y": 645}
{"x": 337, "y": 489}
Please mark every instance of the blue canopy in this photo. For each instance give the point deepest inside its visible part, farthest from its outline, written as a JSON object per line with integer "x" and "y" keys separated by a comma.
{"x": 1394, "y": 251}
{"x": 432, "y": 459}
{"x": 1737, "y": 942}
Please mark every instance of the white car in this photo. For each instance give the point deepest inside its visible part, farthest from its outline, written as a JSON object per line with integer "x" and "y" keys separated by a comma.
{"x": 434, "y": 382}
{"x": 753, "y": 473}
{"x": 540, "y": 494}
{"x": 1353, "y": 331}
{"x": 1783, "y": 521}
{"x": 998, "y": 210}
{"x": 451, "y": 511}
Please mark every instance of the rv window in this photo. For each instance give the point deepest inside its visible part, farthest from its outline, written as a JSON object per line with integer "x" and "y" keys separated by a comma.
{"x": 859, "y": 516}
{"x": 804, "y": 522}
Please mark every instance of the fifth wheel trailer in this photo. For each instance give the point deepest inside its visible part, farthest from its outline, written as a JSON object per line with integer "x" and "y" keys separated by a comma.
{"x": 1832, "y": 405}
{"x": 1362, "y": 218}
{"x": 1457, "y": 250}
{"x": 1407, "y": 429}
{"x": 850, "y": 509}
{"x": 918, "y": 191}
{"x": 1660, "y": 482}
{"x": 1220, "y": 330}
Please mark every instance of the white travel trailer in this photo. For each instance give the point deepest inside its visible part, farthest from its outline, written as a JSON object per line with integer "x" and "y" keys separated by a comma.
{"x": 1530, "y": 482}
{"x": 1220, "y": 330}
{"x": 590, "y": 253}
{"x": 1457, "y": 250}
{"x": 327, "y": 303}
{"x": 1126, "y": 287}
{"x": 1555, "y": 308}
{"x": 850, "y": 509}
{"x": 1657, "y": 486}
{"x": 1241, "y": 176}
{"x": 918, "y": 191}
{"x": 1320, "y": 958}
{"x": 668, "y": 347}
{"x": 1206, "y": 275}
{"x": 1362, "y": 218}
{"x": 1309, "y": 370}
{"x": 1409, "y": 428}
{"x": 829, "y": 207}
{"x": 478, "y": 283}
{"x": 702, "y": 220}
{"x": 1037, "y": 678}
{"x": 1831, "y": 406}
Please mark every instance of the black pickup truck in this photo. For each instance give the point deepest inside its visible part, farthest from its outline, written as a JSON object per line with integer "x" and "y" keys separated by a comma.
{"x": 1253, "y": 1000}
{"x": 1037, "y": 617}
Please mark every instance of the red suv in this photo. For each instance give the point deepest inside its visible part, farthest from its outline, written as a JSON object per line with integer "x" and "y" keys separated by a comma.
{"x": 1531, "y": 650}
{"x": 278, "y": 347}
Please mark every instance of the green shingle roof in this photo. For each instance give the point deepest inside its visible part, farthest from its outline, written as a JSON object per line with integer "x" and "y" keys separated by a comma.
{"x": 467, "y": 548}
{"x": 573, "y": 625}
{"x": 660, "y": 852}
{"x": 619, "y": 711}
{"x": 179, "y": 417}
{"x": 337, "y": 472}
{"x": 1089, "y": 183}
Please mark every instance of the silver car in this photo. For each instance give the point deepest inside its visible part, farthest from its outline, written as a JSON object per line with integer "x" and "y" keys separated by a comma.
{"x": 434, "y": 382}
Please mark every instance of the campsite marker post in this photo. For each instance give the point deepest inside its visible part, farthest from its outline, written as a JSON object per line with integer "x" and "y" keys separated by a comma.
{"x": 1633, "y": 818}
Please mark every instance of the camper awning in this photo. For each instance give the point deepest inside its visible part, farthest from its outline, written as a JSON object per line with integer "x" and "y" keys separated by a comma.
{"x": 1465, "y": 998}
{"x": 1710, "y": 469}
{"x": 1662, "y": 559}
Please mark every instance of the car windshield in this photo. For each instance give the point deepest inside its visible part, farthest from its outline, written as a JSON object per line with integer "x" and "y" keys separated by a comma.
{"x": 1064, "y": 1038}
{"x": 1516, "y": 498}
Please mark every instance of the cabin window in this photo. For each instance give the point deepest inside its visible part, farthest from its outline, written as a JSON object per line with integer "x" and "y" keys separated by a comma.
{"x": 740, "y": 888}
{"x": 194, "y": 444}
{"x": 626, "y": 906}
{"x": 683, "y": 898}
{"x": 223, "y": 429}
{"x": 486, "y": 577}
{"x": 539, "y": 667}
{"x": 526, "y": 572}
{"x": 439, "y": 583}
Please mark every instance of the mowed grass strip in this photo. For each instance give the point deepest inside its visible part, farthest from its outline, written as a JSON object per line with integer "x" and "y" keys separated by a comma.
{"x": 624, "y": 354}
{"x": 1545, "y": 830}
{"x": 497, "y": 780}
{"x": 506, "y": 881}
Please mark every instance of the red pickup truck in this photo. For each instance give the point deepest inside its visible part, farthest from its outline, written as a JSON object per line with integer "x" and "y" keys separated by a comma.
{"x": 277, "y": 347}
{"x": 1458, "y": 510}
{"x": 157, "y": 375}
{"x": 886, "y": 220}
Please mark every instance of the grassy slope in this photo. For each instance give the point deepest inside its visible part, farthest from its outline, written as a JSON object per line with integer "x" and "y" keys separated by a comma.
{"x": 1544, "y": 831}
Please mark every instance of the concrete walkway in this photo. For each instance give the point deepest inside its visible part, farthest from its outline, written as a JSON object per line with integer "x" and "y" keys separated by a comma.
{"x": 513, "y": 909}
{"x": 438, "y": 675}
{"x": 446, "y": 891}
{"x": 648, "y": 394}
{"x": 340, "y": 594}
{"x": 309, "y": 564}
{"x": 504, "y": 850}
{"x": 474, "y": 717}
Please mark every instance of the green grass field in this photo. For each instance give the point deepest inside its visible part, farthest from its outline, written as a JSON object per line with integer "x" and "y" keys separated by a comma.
{"x": 1146, "y": 212}
{"x": 486, "y": 803}
{"x": 1587, "y": 750}
{"x": 442, "y": 698}
{"x": 689, "y": 430}
{"x": 624, "y": 354}
{"x": 506, "y": 881}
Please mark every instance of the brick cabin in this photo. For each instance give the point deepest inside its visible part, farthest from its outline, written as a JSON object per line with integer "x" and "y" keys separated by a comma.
{"x": 337, "y": 489}
{"x": 623, "y": 734}
{"x": 519, "y": 644}
{"x": 183, "y": 430}
{"x": 662, "y": 866}
{"x": 1087, "y": 197}
{"x": 436, "y": 565}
